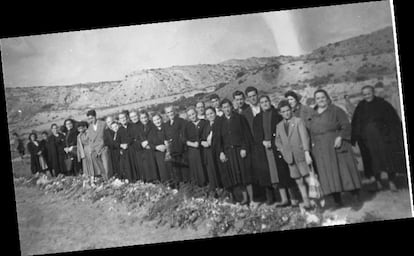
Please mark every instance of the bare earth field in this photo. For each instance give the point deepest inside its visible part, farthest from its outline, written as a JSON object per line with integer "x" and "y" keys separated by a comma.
{"x": 51, "y": 223}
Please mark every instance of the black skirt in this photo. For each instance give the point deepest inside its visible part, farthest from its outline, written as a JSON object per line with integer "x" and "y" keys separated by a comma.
{"x": 240, "y": 169}
{"x": 196, "y": 167}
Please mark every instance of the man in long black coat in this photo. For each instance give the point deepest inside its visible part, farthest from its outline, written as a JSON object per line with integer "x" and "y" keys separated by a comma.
{"x": 377, "y": 127}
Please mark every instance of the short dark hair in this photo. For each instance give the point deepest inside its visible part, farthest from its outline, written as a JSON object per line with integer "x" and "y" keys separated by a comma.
{"x": 211, "y": 108}
{"x": 214, "y": 96}
{"x": 283, "y": 103}
{"x": 91, "y": 112}
{"x": 143, "y": 112}
{"x": 224, "y": 101}
{"x": 238, "y": 93}
{"x": 292, "y": 94}
{"x": 45, "y": 132}
{"x": 34, "y": 134}
{"x": 82, "y": 124}
{"x": 157, "y": 114}
{"x": 114, "y": 122}
{"x": 250, "y": 89}
{"x": 54, "y": 124}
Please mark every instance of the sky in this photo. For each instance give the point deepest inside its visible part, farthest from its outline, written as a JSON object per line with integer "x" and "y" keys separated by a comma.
{"x": 111, "y": 53}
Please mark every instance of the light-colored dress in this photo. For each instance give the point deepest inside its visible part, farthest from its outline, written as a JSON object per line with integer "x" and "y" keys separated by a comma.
{"x": 84, "y": 154}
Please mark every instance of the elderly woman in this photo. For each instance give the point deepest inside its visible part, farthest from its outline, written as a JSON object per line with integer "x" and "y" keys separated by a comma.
{"x": 157, "y": 140}
{"x": 331, "y": 133}
{"x": 377, "y": 128}
{"x": 209, "y": 142}
{"x": 192, "y": 135}
{"x": 146, "y": 153}
{"x": 235, "y": 137}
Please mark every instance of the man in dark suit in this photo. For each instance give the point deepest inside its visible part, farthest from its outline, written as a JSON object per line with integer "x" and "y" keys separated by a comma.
{"x": 253, "y": 100}
{"x": 175, "y": 136}
{"x": 99, "y": 152}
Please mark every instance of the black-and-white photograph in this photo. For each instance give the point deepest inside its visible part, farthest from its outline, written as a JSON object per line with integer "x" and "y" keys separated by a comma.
{"x": 209, "y": 127}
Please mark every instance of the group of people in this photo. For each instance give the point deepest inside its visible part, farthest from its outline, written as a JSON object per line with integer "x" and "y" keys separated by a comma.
{"x": 234, "y": 144}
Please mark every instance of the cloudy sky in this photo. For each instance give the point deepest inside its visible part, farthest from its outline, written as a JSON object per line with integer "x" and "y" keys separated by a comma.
{"x": 111, "y": 53}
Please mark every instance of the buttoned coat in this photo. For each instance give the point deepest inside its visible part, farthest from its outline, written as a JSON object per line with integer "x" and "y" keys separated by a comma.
{"x": 294, "y": 144}
{"x": 96, "y": 138}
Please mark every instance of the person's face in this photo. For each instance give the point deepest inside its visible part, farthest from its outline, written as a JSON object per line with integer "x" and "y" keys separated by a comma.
{"x": 215, "y": 103}
{"x": 44, "y": 136}
{"x": 81, "y": 129}
{"x": 200, "y": 108}
{"x": 321, "y": 99}
{"x": 134, "y": 117}
{"x": 32, "y": 137}
{"x": 54, "y": 129}
{"x": 292, "y": 101}
{"x": 122, "y": 119}
{"x": 170, "y": 113}
{"x": 114, "y": 127}
{"x": 252, "y": 98}
{"x": 91, "y": 119}
{"x": 211, "y": 115}
{"x": 239, "y": 99}
{"x": 108, "y": 121}
{"x": 286, "y": 112}
{"x": 226, "y": 108}
{"x": 368, "y": 94}
{"x": 192, "y": 115}
{"x": 69, "y": 125}
{"x": 157, "y": 120}
{"x": 265, "y": 104}
{"x": 143, "y": 118}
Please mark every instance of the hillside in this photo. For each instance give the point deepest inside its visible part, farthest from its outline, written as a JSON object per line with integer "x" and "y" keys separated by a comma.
{"x": 341, "y": 66}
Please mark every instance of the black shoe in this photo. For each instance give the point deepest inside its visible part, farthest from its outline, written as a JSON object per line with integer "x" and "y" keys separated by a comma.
{"x": 285, "y": 205}
{"x": 357, "y": 203}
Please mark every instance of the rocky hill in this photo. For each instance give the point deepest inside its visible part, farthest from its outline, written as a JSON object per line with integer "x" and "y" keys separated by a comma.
{"x": 342, "y": 67}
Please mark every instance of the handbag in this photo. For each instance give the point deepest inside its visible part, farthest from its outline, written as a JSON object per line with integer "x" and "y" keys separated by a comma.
{"x": 68, "y": 162}
{"x": 315, "y": 190}
{"x": 168, "y": 157}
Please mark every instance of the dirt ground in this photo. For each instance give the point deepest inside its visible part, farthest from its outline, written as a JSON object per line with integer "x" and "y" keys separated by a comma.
{"x": 49, "y": 223}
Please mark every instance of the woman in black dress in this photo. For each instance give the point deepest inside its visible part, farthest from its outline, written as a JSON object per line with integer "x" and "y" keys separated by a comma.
{"x": 235, "y": 139}
{"x": 115, "y": 150}
{"x": 377, "y": 128}
{"x": 71, "y": 141}
{"x": 56, "y": 152}
{"x": 147, "y": 156}
{"x": 158, "y": 142}
{"x": 192, "y": 135}
{"x": 33, "y": 147}
{"x": 124, "y": 141}
{"x": 44, "y": 162}
{"x": 209, "y": 142}
{"x": 135, "y": 150}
